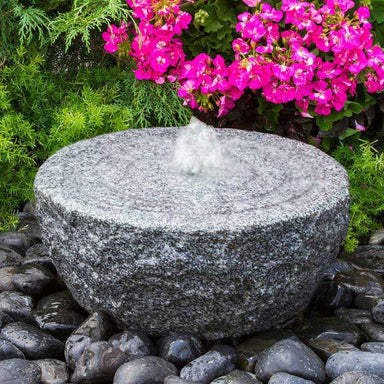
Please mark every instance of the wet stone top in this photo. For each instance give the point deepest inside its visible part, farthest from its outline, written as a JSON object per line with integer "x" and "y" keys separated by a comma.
{"x": 129, "y": 178}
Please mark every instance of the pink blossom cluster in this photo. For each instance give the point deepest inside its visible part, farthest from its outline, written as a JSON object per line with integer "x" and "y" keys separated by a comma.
{"x": 158, "y": 53}
{"x": 114, "y": 36}
{"x": 316, "y": 60}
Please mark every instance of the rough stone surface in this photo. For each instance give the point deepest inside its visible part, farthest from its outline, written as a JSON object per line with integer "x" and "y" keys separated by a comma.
{"x": 53, "y": 371}
{"x": 342, "y": 362}
{"x": 32, "y": 342}
{"x": 215, "y": 256}
{"x": 358, "y": 378}
{"x": 286, "y": 378}
{"x": 19, "y": 371}
{"x": 219, "y": 361}
{"x": 150, "y": 369}
{"x": 292, "y": 357}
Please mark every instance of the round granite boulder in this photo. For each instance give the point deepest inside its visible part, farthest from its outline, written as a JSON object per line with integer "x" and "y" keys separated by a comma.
{"x": 215, "y": 255}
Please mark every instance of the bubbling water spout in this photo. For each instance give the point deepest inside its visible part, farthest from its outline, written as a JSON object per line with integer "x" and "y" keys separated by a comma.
{"x": 198, "y": 150}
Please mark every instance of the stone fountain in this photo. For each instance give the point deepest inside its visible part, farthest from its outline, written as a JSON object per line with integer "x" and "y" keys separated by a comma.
{"x": 224, "y": 244}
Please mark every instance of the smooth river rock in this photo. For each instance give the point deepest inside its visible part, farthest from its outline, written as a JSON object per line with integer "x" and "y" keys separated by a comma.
{"x": 9, "y": 257}
{"x": 330, "y": 328}
{"x": 368, "y": 362}
{"x": 219, "y": 361}
{"x": 378, "y": 310}
{"x": 216, "y": 256}
{"x": 150, "y": 369}
{"x": 17, "y": 305}
{"x": 32, "y": 342}
{"x": 96, "y": 327}
{"x": 355, "y": 377}
{"x": 367, "y": 257}
{"x": 286, "y": 378}
{"x": 237, "y": 377}
{"x": 372, "y": 346}
{"x": 19, "y": 371}
{"x": 53, "y": 371}
{"x": 99, "y": 363}
{"x": 180, "y": 349}
{"x": 290, "y": 356}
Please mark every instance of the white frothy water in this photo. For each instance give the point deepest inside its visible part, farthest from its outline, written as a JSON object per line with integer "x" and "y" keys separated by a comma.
{"x": 198, "y": 150}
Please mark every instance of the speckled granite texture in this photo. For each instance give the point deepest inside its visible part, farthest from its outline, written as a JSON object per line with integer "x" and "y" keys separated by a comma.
{"x": 216, "y": 256}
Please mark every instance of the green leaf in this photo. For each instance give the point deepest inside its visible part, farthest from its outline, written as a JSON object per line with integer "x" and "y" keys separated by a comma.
{"x": 269, "y": 110}
{"x": 212, "y": 23}
{"x": 225, "y": 10}
{"x": 325, "y": 123}
{"x": 378, "y": 10}
{"x": 349, "y": 132}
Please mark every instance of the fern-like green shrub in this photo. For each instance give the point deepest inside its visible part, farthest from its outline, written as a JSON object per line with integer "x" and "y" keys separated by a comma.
{"x": 365, "y": 166}
{"x": 41, "y": 113}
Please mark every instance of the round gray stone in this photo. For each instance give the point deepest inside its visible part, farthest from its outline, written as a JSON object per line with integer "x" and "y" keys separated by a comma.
{"x": 219, "y": 361}
{"x": 96, "y": 327}
{"x": 17, "y": 371}
{"x": 150, "y": 369}
{"x": 32, "y": 342}
{"x": 355, "y": 377}
{"x": 214, "y": 256}
{"x": 286, "y": 378}
{"x": 378, "y": 310}
{"x": 373, "y": 346}
{"x": 293, "y": 357}
{"x": 53, "y": 371}
{"x": 368, "y": 362}
{"x": 237, "y": 377}
{"x": 9, "y": 257}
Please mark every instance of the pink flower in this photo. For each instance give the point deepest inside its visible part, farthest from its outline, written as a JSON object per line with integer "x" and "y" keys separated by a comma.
{"x": 114, "y": 36}
{"x": 240, "y": 46}
{"x": 252, "y": 3}
{"x": 270, "y": 13}
{"x": 359, "y": 127}
{"x": 363, "y": 13}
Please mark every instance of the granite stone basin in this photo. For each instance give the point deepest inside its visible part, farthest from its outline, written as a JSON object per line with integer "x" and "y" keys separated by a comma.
{"x": 216, "y": 256}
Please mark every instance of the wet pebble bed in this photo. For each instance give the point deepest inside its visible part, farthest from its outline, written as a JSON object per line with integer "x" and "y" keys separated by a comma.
{"x": 46, "y": 337}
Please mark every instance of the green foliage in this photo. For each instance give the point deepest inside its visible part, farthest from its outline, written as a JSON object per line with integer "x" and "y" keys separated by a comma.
{"x": 86, "y": 17}
{"x": 213, "y": 28}
{"x": 365, "y": 168}
{"x": 41, "y": 112}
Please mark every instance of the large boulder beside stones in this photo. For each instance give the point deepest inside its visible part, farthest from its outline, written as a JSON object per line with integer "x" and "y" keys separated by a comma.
{"x": 217, "y": 254}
